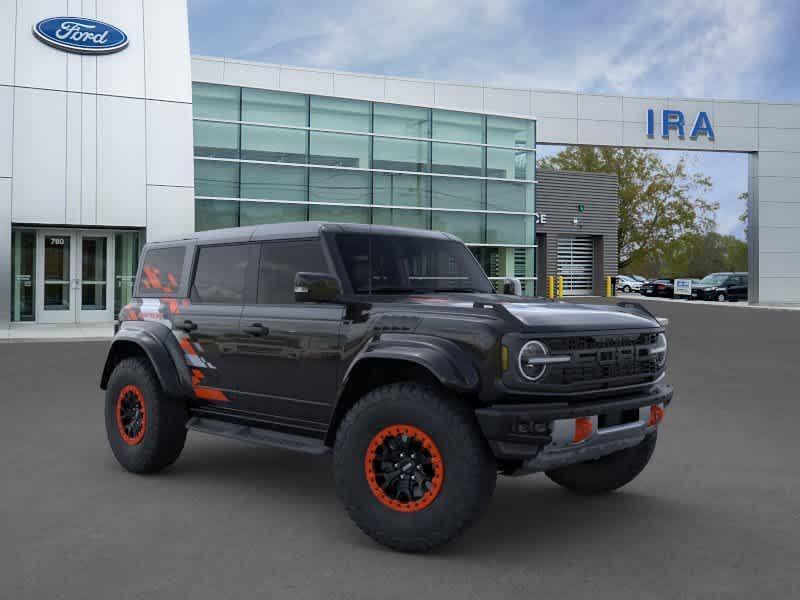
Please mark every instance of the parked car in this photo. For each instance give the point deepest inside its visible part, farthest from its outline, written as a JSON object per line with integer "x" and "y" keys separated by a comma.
{"x": 663, "y": 288}
{"x": 639, "y": 278}
{"x": 628, "y": 284}
{"x": 721, "y": 287}
{"x": 388, "y": 348}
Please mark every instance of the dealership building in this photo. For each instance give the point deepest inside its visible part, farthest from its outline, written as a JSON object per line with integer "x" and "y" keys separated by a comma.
{"x": 112, "y": 135}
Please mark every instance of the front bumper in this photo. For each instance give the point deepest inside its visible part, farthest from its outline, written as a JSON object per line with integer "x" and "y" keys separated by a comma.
{"x": 539, "y": 437}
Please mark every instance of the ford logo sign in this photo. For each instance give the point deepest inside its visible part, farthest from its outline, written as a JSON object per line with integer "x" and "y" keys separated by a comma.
{"x": 84, "y": 36}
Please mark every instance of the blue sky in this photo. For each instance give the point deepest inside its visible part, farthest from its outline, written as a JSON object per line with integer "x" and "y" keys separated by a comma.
{"x": 709, "y": 48}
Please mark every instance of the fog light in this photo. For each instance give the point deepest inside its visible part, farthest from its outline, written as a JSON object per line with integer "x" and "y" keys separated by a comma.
{"x": 656, "y": 415}
{"x": 583, "y": 429}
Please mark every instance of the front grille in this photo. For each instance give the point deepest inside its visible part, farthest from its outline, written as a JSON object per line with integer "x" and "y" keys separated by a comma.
{"x": 598, "y": 358}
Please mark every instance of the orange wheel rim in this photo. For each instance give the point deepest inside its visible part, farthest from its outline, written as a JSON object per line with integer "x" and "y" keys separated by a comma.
{"x": 404, "y": 468}
{"x": 131, "y": 415}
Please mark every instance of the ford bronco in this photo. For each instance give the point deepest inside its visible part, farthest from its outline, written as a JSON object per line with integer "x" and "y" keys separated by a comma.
{"x": 391, "y": 349}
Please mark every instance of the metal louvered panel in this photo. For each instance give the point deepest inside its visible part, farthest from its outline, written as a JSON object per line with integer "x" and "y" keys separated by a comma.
{"x": 576, "y": 264}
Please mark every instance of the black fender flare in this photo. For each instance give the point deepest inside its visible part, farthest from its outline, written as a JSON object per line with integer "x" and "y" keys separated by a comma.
{"x": 443, "y": 358}
{"x": 162, "y": 349}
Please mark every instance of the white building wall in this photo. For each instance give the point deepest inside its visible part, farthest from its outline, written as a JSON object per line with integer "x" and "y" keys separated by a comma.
{"x": 770, "y": 132}
{"x": 76, "y": 147}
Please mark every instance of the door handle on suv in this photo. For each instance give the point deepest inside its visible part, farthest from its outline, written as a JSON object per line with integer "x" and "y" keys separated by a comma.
{"x": 256, "y": 329}
{"x": 186, "y": 325}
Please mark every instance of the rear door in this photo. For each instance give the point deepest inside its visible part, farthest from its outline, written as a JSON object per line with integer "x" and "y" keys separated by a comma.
{"x": 290, "y": 351}
{"x": 208, "y": 325}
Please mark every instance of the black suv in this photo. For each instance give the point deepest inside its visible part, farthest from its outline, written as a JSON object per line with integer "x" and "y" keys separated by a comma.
{"x": 721, "y": 287}
{"x": 389, "y": 348}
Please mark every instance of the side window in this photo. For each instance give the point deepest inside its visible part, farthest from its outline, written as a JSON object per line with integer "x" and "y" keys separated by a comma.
{"x": 219, "y": 277}
{"x": 280, "y": 262}
{"x": 162, "y": 269}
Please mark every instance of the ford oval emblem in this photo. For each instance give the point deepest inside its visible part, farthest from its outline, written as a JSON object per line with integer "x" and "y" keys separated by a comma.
{"x": 84, "y": 36}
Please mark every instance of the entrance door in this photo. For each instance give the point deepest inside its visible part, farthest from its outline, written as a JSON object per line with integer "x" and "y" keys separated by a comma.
{"x": 576, "y": 264}
{"x": 73, "y": 278}
{"x": 94, "y": 300}
{"x": 56, "y": 278}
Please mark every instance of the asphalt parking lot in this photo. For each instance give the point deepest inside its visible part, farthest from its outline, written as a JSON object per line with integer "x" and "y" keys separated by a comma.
{"x": 715, "y": 515}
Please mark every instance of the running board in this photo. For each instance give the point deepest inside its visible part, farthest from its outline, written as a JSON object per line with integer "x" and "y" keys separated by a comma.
{"x": 254, "y": 435}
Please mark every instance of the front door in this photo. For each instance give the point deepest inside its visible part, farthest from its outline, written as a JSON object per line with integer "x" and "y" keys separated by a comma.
{"x": 73, "y": 278}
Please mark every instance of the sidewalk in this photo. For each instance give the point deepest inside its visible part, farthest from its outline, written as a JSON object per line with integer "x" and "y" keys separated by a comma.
{"x": 739, "y": 304}
{"x": 35, "y": 332}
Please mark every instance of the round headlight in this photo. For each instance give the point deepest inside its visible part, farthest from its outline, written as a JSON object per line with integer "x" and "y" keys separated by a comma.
{"x": 530, "y": 364}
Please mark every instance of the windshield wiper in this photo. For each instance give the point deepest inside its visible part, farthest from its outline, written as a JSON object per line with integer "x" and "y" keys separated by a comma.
{"x": 388, "y": 290}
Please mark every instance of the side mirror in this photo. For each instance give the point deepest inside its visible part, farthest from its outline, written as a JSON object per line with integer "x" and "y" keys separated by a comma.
{"x": 316, "y": 287}
{"x": 512, "y": 286}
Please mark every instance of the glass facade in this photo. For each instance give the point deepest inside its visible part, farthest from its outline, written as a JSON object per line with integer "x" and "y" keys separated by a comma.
{"x": 264, "y": 156}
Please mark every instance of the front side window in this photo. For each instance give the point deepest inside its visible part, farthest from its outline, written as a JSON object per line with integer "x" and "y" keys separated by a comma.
{"x": 220, "y": 274}
{"x": 377, "y": 264}
{"x": 280, "y": 262}
{"x": 162, "y": 269}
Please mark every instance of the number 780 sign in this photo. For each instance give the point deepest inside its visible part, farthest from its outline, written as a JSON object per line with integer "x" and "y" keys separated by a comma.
{"x": 674, "y": 120}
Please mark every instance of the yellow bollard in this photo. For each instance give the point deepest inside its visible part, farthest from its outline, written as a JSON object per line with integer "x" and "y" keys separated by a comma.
{"x": 609, "y": 288}
{"x": 560, "y": 286}
{"x": 551, "y": 287}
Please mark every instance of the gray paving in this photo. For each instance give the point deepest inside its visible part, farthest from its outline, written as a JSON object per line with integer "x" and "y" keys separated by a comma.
{"x": 716, "y": 514}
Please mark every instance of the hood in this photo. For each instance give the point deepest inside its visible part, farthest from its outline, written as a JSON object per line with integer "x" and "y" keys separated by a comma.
{"x": 537, "y": 313}
{"x": 563, "y": 316}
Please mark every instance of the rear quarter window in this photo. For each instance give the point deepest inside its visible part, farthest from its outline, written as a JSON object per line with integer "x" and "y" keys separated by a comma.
{"x": 162, "y": 271}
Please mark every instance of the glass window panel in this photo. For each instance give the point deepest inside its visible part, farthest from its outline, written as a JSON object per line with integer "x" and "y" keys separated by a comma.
{"x": 211, "y": 101}
{"x": 399, "y": 155}
{"x": 273, "y": 182}
{"x": 23, "y": 269}
{"x": 258, "y": 213}
{"x": 215, "y": 214}
{"x": 162, "y": 271}
{"x": 339, "y": 150}
{"x": 220, "y": 274}
{"x": 418, "y": 219}
{"x": 219, "y": 179}
{"x": 397, "y": 189}
{"x": 509, "y": 229}
{"x": 339, "y": 214}
{"x": 218, "y": 140}
{"x": 56, "y": 272}
{"x": 409, "y": 121}
{"x": 127, "y": 247}
{"x": 457, "y": 126}
{"x": 338, "y": 113}
{"x": 335, "y": 185}
{"x": 265, "y": 106}
{"x": 273, "y": 144}
{"x": 467, "y": 226}
{"x": 457, "y": 193}
{"x": 506, "y": 131}
{"x": 509, "y": 164}
{"x": 501, "y": 195}
{"x": 458, "y": 160}
{"x": 280, "y": 262}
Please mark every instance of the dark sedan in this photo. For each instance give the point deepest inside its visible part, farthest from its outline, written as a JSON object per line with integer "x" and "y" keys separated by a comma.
{"x": 663, "y": 288}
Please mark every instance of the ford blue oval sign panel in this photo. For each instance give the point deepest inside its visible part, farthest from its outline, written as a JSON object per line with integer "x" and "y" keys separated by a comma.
{"x": 84, "y": 36}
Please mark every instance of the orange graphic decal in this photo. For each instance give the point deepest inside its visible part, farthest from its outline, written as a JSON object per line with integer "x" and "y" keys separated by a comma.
{"x": 206, "y": 393}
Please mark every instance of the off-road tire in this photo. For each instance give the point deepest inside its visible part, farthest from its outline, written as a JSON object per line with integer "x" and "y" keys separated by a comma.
{"x": 608, "y": 473}
{"x": 164, "y": 431}
{"x": 468, "y": 466}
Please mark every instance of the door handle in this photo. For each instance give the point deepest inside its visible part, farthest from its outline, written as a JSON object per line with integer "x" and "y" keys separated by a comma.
{"x": 256, "y": 329}
{"x": 187, "y": 325}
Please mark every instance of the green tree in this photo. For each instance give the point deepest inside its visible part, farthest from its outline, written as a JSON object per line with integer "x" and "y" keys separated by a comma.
{"x": 659, "y": 202}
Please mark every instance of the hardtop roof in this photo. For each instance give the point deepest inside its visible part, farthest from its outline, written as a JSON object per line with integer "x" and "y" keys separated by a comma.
{"x": 298, "y": 229}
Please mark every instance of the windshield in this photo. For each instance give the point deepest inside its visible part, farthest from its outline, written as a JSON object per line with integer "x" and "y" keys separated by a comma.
{"x": 713, "y": 279}
{"x": 387, "y": 264}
